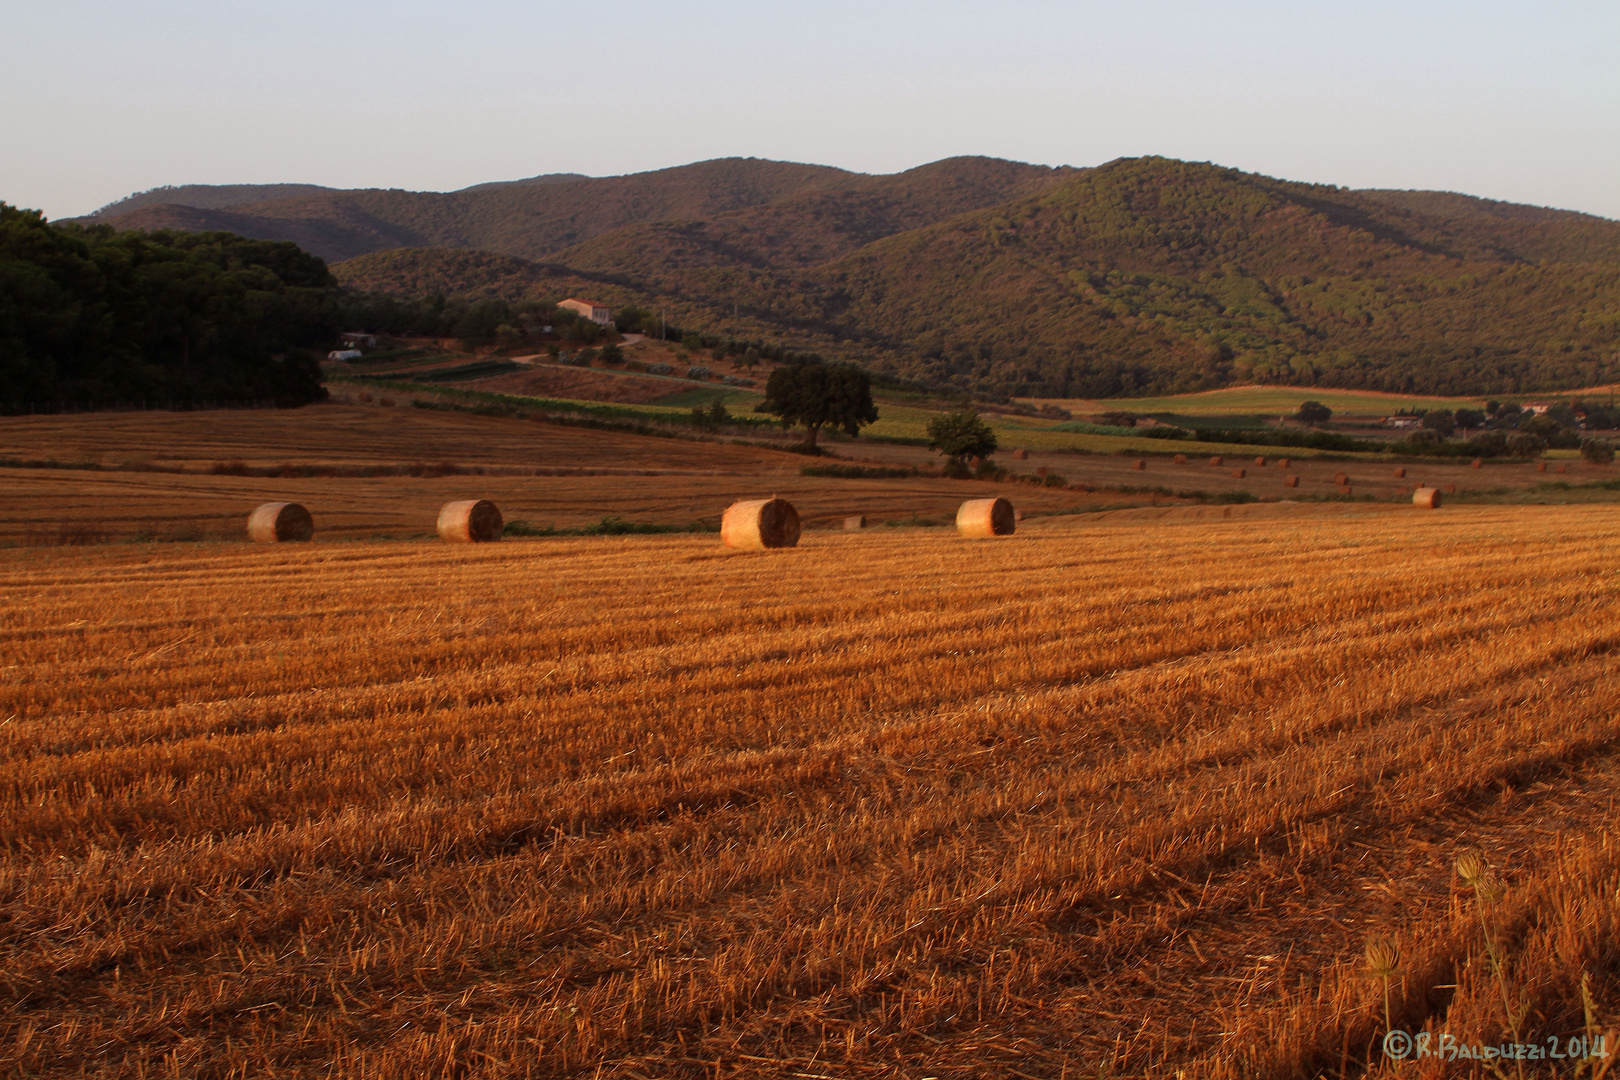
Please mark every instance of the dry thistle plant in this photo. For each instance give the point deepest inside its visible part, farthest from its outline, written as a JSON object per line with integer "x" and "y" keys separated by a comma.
{"x": 1475, "y": 872}
{"x": 1383, "y": 960}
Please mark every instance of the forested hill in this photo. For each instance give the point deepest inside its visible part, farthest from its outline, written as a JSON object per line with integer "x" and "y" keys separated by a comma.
{"x": 90, "y": 317}
{"x": 771, "y": 211}
{"x": 1144, "y": 274}
{"x": 1165, "y": 275}
{"x": 204, "y": 197}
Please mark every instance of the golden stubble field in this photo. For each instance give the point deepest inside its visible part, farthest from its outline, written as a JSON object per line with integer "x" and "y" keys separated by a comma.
{"x": 549, "y": 475}
{"x": 1124, "y": 795}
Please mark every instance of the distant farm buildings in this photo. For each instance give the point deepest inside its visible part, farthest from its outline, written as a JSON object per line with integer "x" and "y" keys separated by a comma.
{"x": 594, "y": 310}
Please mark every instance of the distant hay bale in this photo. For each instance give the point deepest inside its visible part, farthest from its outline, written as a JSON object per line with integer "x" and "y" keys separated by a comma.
{"x": 1240, "y": 473}
{"x": 1180, "y": 459}
{"x": 470, "y": 521}
{"x": 1451, "y": 489}
{"x": 1260, "y": 461}
{"x": 1541, "y": 466}
{"x": 1291, "y": 481}
{"x": 1021, "y": 455}
{"x": 760, "y": 523}
{"x": 1139, "y": 464}
{"x": 1341, "y": 478}
{"x": 1344, "y": 489}
{"x": 1426, "y": 497}
{"x": 279, "y": 523}
{"x": 1561, "y": 468}
{"x": 1478, "y": 462}
{"x": 1283, "y": 463}
{"x": 1400, "y": 473}
{"x": 986, "y": 517}
{"x": 855, "y": 523}
{"x": 1217, "y": 462}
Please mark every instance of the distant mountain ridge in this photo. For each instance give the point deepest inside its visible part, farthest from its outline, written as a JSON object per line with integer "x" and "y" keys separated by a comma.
{"x": 204, "y": 197}
{"x": 1143, "y": 274}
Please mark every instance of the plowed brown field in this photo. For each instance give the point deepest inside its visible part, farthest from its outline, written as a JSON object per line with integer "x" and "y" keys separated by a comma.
{"x": 1118, "y": 795}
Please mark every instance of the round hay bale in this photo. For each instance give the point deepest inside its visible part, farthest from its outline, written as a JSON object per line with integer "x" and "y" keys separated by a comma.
{"x": 1561, "y": 468}
{"x": 1180, "y": 459}
{"x": 470, "y": 521}
{"x": 1426, "y": 497}
{"x": 1541, "y": 466}
{"x": 1400, "y": 473}
{"x": 986, "y": 517}
{"x": 280, "y": 523}
{"x": 1344, "y": 489}
{"x": 1240, "y": 473}
{"x": 1139, "y": 464}
{"x": 1021, "y": 455}
{"x": 1478, "y": 462}
{"x": 760, "y": 523}
{"x": 1283, "y": 463}
{"x": 1260, "y": 461}
{"x": 855, "y": 523}
{"x": 1341, "y": 478}
{"x": 1291, "y": 481}
{"x": 1451, "y": 489}
{"x": 1216, "y": 461}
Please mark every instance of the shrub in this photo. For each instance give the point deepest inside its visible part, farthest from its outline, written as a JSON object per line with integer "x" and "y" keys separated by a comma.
{"x": 1597, "y": 451}
{"x": 1440, "y": 421}
{"x": 960, "y": 435}
{"x": 699, "y": 371}
{"x": 1313, "y": 412}
{"x": 1526, "y": 444}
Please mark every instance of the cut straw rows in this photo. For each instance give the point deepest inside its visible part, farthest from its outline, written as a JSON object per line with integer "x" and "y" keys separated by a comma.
{"x": 1090, "y": 797}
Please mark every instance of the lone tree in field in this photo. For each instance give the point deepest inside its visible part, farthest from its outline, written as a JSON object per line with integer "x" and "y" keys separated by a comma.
{"x": 818, "y": 394}
{"x": 1313, "y": 413}
{"x": 960, "y": 435}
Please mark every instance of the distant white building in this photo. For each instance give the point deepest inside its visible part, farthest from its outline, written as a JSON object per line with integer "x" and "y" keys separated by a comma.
{"x": 594, "y": 310}
{"x": 344, "y": 354}
{"x": 1537, "y": 407}
{"x": 1401, "y": 422}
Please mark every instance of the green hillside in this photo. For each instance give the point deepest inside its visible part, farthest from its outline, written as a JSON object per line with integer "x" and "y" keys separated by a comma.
{"x": 530, "y": 220}
{"x": 1142, "y": 276}
{"x": 1155, "y": 275}
{"x": 203, "y": 197}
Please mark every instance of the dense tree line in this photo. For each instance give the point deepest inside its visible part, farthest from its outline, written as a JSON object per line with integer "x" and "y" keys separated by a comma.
{"x": 92, "y": 317}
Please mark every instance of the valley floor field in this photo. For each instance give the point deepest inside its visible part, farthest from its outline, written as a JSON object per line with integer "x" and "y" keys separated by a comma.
{"x": 370, "y": 471}
{"x": 1120, "y": 794}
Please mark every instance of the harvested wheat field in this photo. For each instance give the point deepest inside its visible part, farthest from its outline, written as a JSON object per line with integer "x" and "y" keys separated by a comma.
{"x": 1105, "y": 797}
{"x": 371, "y": 472}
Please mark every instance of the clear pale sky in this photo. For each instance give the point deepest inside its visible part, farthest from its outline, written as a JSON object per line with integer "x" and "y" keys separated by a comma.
{"x": 1517, "y": 101}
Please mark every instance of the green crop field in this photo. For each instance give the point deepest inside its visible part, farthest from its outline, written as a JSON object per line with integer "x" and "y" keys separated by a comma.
{"x": 1032, "y": 433}
{"x": 1273, "y": 400}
